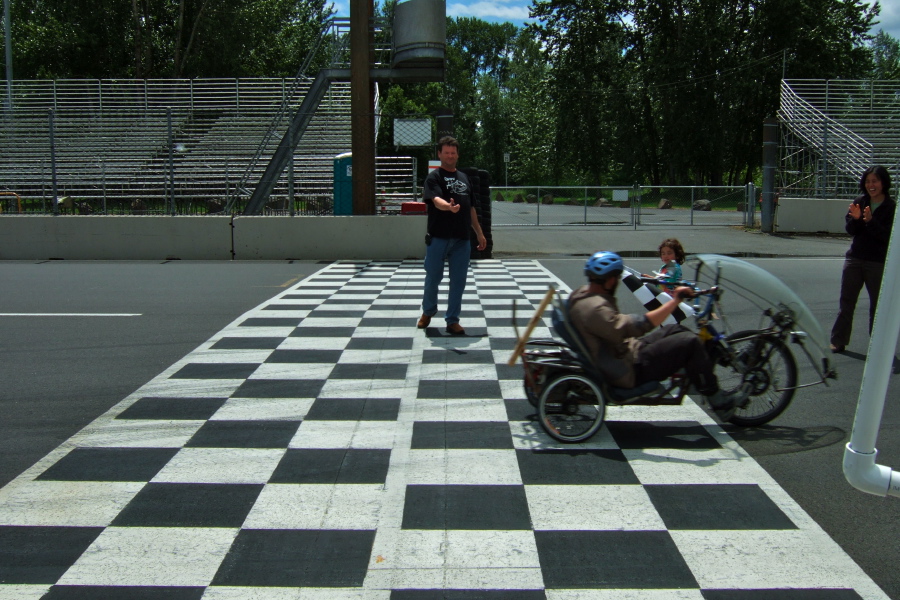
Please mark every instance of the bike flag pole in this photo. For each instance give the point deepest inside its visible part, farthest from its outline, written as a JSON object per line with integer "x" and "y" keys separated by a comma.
{"x": 653, "y": 297}
{"x": 860, "y": 453}
{"x": 520, "y": 344}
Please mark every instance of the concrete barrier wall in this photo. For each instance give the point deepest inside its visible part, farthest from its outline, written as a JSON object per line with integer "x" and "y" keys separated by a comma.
{"x": 210, "y": 238}
{"x": 811, "y": 215}
{"x": 329, "y": 238}
{"x": 114, "y": 238}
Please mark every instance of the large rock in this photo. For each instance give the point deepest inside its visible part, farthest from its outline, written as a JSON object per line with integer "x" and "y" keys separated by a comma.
{"x": 547, "y": 199}
{"x": 702, "y": 205}
{"x": 664, "y": 204}
{"x": 499, "y": 197}
{"x": 531, "y": 199}
{"x": 518, "y": 199}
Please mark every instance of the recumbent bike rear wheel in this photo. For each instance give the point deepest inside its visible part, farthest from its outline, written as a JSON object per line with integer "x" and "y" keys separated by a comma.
{"x": 571, "y": 408}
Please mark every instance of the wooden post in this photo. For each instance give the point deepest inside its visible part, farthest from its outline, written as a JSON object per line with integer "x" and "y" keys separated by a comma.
{"x": 520, "y": 345}
{"x": 362, "y": 107}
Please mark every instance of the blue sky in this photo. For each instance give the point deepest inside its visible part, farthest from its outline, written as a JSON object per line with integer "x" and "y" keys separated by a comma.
{"x": 516, "y": 11}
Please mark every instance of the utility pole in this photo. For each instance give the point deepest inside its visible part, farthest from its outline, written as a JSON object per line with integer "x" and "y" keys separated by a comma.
{"x": 770, "y": 157}
{"x": 362, "y": 107}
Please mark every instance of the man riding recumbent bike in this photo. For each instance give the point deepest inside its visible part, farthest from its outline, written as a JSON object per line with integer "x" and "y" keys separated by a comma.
{"x": 570, "y": 381}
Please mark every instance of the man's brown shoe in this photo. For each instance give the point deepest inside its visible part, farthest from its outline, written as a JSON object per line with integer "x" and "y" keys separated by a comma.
{"x": 455, "y": 329}
{"x": 424, "y": 321}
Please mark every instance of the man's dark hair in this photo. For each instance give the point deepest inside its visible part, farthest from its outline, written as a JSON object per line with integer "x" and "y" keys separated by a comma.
{"x": 447, "y": 141}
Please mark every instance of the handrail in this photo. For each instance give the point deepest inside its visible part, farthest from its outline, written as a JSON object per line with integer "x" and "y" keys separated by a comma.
{"x": 337, "y": 26}
{"x": 279, "y": 115}
{"x": 834, "y": 129}
{"x": 814, "y": 127}
{"x": 18, "y": 201}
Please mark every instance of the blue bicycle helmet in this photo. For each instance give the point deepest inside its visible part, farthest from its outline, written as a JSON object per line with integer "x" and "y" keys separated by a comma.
{"x": 603, "y": 264}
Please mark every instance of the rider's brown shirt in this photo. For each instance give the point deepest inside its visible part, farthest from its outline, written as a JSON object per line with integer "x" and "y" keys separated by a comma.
{"x": 611, "y": 337}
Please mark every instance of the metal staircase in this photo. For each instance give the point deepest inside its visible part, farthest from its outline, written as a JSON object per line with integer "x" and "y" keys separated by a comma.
{"x": 290, "y": 125}
{"x": 832, "y": 130}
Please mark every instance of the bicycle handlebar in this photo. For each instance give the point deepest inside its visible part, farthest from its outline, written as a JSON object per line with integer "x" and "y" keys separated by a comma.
{"x": 682, "y": 283}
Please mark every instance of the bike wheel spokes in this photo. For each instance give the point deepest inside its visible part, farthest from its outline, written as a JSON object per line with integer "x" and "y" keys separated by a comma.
{"x": 769, "y": 381}
{"x": 571, "y": 408}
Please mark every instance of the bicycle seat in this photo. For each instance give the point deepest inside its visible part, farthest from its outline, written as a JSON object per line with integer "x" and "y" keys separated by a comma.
{"x": 563, "y": 327}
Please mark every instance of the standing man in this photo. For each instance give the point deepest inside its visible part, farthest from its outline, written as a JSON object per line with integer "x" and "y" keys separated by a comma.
{"x": 448, "y": 195}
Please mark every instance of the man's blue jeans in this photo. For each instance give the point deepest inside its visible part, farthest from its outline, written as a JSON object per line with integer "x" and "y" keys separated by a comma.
{"x": 456, "y": 253}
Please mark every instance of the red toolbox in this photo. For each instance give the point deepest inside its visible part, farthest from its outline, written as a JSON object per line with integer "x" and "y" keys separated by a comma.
{"x": 413, "y": 208}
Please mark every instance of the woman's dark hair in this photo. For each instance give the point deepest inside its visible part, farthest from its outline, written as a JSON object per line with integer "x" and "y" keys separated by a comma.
{"x": 675, "y": 245}
{"x": 881, "y": 173}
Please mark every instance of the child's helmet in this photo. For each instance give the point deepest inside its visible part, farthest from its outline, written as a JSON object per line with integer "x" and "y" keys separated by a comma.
{"x": 603, "y": 264}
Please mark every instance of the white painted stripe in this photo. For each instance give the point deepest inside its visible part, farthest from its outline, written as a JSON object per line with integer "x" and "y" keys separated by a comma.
{"x": 70, "y": 314}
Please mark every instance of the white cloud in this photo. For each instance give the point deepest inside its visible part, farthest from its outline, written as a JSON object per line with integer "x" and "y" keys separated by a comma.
{"x": 341, "y": 7}
{"x": 516, "y": 11}
{"x": 490, "y": 11}
{"x": 889, "y": 19}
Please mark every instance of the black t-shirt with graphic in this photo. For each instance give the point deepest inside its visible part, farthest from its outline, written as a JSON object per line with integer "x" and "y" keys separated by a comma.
{"x": 447, "y": 185}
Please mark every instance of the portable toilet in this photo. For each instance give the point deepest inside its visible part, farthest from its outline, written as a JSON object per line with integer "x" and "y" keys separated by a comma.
{"x": 343, "y": 184}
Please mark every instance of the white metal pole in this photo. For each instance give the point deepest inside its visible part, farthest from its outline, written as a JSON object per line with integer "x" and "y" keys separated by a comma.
{"x": 860, "y": 454}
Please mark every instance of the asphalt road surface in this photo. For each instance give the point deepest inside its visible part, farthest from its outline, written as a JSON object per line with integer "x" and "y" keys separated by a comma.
{"x": 60, "y": 370}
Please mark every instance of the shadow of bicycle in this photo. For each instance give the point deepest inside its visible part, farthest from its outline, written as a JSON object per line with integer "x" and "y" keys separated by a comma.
{"x": 770, "y": 440}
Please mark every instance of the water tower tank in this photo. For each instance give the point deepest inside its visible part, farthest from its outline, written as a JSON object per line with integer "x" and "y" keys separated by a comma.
{"x": 420, "y": 34}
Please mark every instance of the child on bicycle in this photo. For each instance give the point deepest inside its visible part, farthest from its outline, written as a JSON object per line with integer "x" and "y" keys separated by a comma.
{"x": 672, "y": 254}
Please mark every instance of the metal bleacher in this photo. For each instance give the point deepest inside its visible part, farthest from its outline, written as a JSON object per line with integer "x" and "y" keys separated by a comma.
{"x": 110, "y": 141}
{"x": 832, "y": 130}
{"x": 175, "y": 146}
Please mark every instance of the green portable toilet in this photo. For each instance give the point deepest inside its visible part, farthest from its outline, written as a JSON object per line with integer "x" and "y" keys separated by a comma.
{"x": 343, "y": 184}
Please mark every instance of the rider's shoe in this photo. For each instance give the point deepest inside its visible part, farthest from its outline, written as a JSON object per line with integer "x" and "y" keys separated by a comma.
{"x": 726, "y": 403}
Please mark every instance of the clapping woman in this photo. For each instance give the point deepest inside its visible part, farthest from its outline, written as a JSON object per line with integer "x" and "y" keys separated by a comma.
{"x": 869, "y": 220}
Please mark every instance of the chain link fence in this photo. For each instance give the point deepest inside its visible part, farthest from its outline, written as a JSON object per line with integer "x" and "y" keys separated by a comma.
{"x": 630, "y": 206}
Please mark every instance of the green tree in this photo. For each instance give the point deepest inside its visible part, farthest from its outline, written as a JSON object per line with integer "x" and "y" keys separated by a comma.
{"x": 70, "y": 38}
{"x": 885, "y": 56}
{"x": 532, "y": 115}
{"x": 478, "y": 55}
{"x": 583, "y": 45}
{"x": 249, "y": 38}
{"x": 680, "y": 88}
{"x": 163, "y": 38}
{"x": 474, "y": 91}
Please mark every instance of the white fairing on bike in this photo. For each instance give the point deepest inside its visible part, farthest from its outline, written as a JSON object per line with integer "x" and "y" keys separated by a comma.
{"x": 764, "y": 291}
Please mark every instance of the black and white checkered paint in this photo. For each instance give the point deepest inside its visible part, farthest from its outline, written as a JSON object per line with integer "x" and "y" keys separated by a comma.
{"x": 322, "y": 447}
